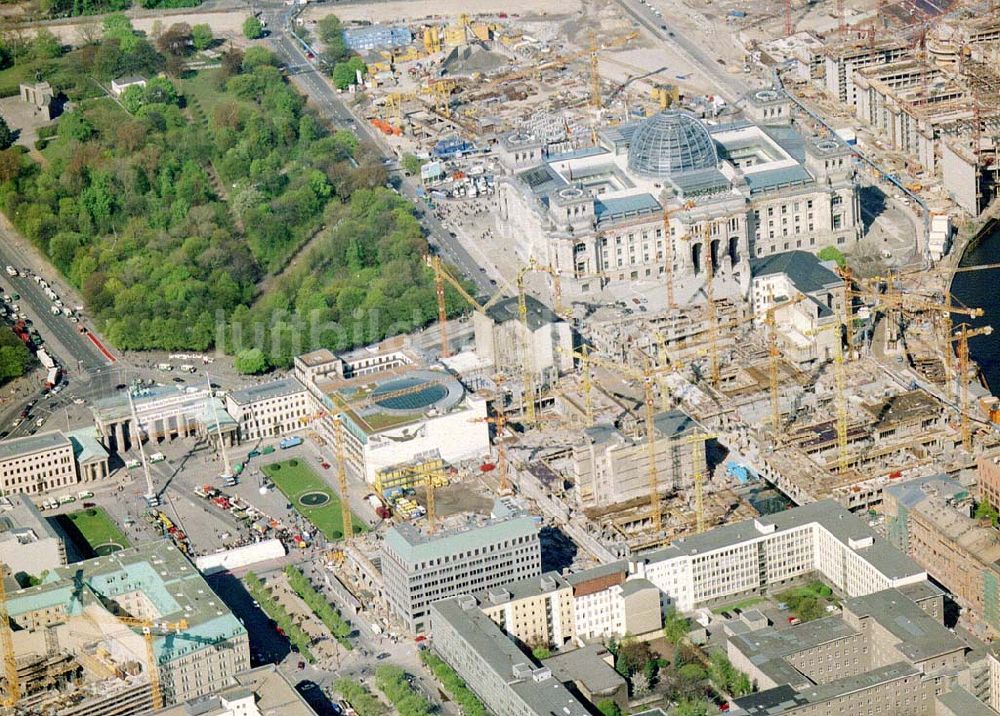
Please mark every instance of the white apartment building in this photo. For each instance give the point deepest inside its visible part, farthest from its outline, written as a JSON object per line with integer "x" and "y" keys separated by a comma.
{"x": 37, "y": 463}
{"x": 270, "y": 410}
{"x": 760, "y": 554}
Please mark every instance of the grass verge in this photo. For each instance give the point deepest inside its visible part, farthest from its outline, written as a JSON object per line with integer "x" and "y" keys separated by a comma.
{"x": 294, "y": 478}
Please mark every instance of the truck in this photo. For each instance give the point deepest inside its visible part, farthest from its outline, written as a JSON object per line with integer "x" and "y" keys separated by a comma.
{"x": 52, "y": 378}
{"x": 45, "y": 359}
{"x": 157, "y": 457}
{"x": 288, "y": 442}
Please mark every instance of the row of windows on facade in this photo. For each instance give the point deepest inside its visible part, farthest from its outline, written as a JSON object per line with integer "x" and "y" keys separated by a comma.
{"x": 485, "y": 550}
{"x": 33, "y": 462}
{"x": 431, "y": 588}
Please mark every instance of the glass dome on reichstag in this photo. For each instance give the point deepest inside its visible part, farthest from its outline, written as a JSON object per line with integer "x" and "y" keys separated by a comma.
{"x": 670, "y": 142}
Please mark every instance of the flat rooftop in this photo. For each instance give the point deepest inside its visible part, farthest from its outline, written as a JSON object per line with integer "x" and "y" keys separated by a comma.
{"x": 921, "y": 637}
{"x": 266, "y": 391}
{"x": 172, "y": 585}
{"x": 587, "y": 666}
{"x": 522, "y": 589}
{"x": 272, "y": 692}
{"x": 828, "y": 514}
{"x": 414, "y": 546}
{"x": 768, "y": 649}
{"x": 542, "y": 696}
{"x": 31, "y": 444}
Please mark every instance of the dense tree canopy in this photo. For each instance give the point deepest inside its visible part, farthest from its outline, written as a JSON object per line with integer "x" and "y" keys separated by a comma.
{"x": 167, "y": 217}
{"x": 15, "y": 359}
{"x": 253, "y": 29}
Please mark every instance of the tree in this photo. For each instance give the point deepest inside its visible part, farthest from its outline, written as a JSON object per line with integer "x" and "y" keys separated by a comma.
{"x": 232, "y": 63}
{"x": 985, "y": 511}
{"x": 607, "y": 707}
{"x": 251, "y": 361}
{"x": 177, "y": 40}
{"x": 411, "y": 164}
{"x": 202, "y": 37}
{"x": 160, "y": 90}
{"x": 133, "y": 98}
{"x": 675, "y": 626}
{"x": 541, "y": 651}
{"x": 691, "y": 707}
{"x": 331, "y": 33}
{"x": 256, "y": 56}
{"x": 343, "y": 75}
{"x": 253, "y": 29}
{"x": 329, "y": 28}
{"x": 632, "y": 656}
{"x": 45, "y": 46}
{"x": 640, "y": 684}
{"x": 741, "y": 686}
{"x": 10, "y": 164}
{"x": 690, "y": 679}
{"x": 75, "y": 126}
{"x": 6, "y": 135}
{"x": 119, "y": 27}
{"x": 832, "y": 253}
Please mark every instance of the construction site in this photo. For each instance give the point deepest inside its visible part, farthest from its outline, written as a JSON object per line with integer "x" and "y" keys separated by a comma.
{"x": 127, "y": 633}
{"x": 721, "y": 242}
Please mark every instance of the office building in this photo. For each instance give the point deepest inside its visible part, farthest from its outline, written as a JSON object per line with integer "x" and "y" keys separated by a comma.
{"x": 931, "y": 520}
{"x": 611, "y": 462}
{"x": 376, "y": 37}
{"x": 506, "y": 680}
{"x": 419, "y": 569}
{"x": 69, "y": 625}
{"x": 502, "y": 338}
{"x": 760, "y": 555}
{"x": 270, "y": 410}
{"x": 814, "y": 304}
{"x": 423, "y": 413}
{"x": 28, "y": 544}
{"x": 888, "y": 652}
{"x": 37, "y": 463}
{"x": 263, "y": 691}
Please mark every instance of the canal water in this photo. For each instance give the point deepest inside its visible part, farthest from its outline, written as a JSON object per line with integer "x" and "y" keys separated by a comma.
{"x": 982, "y": 289}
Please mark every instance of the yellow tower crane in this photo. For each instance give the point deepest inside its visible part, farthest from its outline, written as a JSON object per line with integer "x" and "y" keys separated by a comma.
{"x": 668, "y": 253}
{"x": 895, "y": 301}
{"x": 774, "y": 355}
{"x": 647, "y": 376}
{"x": 150, "y": 629}
{"x": 341, "y": 448}
{"x": 527, "y": 350}
{"x": 12, "y": 687}
{"x": 840, "y": 397}
{"x": 965, "y": 332}
{"x": 441, "y": 276}
{"x": 499, "y": 422}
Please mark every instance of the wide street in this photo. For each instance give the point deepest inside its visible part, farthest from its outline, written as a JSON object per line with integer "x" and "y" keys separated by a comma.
{"x": 312, "y": 81}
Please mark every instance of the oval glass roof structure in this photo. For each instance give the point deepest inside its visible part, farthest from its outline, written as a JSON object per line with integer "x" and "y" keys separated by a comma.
{"x": 670, "y": 142}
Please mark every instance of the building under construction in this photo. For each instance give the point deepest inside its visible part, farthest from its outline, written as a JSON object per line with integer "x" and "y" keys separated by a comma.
{"x": 934, "y": 98}
{"x": 121, "y": 634}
